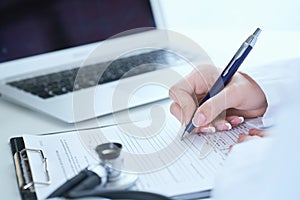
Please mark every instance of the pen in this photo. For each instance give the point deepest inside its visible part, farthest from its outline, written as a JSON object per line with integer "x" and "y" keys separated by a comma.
{"x": 227, "y": 73}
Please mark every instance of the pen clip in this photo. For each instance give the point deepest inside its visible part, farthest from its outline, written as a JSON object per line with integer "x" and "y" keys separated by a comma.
{"x": 249, "y": 42}
{"x": 236, "y": 56}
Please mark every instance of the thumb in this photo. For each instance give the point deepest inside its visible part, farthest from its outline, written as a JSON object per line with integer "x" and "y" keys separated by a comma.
{"x": 211, "y": 109}
{"x": 186, "y": 106}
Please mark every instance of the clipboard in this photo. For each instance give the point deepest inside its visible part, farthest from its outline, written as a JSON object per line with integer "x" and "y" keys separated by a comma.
{"x": 26, "y": 183}
{"x": 35, "y": 152}
{"x": 23, "y": 170}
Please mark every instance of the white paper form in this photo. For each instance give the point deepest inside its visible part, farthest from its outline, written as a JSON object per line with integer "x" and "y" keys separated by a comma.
{"x": 163, "y": 162}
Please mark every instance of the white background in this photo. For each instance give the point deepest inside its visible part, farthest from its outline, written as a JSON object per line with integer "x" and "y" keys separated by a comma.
{"x": 220, "y": 26}
{"x": 233, "y": 14}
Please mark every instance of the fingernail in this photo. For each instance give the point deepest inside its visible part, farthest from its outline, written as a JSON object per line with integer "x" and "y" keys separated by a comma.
{"x": 237, "y": 120}
{"x": 209, "y": 129}
{"x": 223, "y": 126}
{"x": 228, "y": 125}
{"x": 242, "y": 119}
{"x": 198, "y": 120}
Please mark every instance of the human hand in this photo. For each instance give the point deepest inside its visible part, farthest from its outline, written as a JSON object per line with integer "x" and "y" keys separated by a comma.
{"x": 253, "y": 134}
{"x": 241, "y": 97}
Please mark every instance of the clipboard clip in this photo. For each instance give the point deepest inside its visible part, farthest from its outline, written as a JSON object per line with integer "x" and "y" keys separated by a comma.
{"x": 23, "y": 169}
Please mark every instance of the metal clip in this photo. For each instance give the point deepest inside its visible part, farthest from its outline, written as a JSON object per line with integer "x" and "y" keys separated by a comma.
{"x": 24, "y": 172}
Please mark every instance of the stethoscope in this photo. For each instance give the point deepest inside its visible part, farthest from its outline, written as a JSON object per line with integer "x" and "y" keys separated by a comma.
{"x": 103, "y": 181}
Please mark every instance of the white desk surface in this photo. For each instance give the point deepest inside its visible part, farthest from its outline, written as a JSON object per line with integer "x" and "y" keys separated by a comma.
{"x": 16, "y": 120}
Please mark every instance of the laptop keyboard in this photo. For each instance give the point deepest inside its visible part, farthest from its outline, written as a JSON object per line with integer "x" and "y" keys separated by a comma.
{"x": 59, "y": 83}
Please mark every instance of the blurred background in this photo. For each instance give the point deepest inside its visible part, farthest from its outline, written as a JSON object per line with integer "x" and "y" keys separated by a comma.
{"x": 221, "y": 26}
{"x": 233, "y": 14}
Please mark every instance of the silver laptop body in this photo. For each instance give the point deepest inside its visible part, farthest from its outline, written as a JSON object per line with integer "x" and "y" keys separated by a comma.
{"x": 72, "y": 59}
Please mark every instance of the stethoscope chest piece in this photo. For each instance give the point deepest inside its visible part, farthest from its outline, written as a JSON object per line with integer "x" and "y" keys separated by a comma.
{"x": 112, "y": 161}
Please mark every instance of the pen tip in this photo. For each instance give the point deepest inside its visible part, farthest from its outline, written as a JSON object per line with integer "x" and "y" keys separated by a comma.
{"x": 182, "y": 136}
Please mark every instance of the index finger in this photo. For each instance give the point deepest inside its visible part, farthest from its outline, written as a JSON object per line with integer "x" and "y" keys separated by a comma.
{"x": 185, "y": 92}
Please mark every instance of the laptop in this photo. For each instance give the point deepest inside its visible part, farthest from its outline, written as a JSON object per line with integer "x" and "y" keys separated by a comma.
{"x": 77, "y": 60}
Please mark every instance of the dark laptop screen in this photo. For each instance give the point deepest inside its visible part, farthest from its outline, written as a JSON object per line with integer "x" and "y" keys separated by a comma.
{"x": 31, "y": 27}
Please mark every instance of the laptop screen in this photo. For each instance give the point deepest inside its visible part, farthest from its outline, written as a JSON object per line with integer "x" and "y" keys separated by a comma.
{"x": 34, "y": 27}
